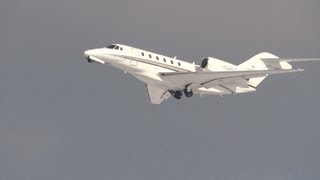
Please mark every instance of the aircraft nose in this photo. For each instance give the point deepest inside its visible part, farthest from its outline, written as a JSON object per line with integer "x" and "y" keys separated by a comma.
{"x": 92, "y": 52}
{"x": 88, "y": 53}
{"x": 93, "y": 55}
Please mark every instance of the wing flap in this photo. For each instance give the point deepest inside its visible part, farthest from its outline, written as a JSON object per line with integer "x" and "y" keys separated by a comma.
{"x": 238, "y": 81}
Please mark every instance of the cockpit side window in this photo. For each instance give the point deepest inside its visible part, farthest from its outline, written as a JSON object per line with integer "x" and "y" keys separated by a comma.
{"x": 117, "y": 47}
{"x": 111, "y": 46}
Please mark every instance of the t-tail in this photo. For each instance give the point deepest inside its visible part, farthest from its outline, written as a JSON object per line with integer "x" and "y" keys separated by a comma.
{"x": 268, "y": 61}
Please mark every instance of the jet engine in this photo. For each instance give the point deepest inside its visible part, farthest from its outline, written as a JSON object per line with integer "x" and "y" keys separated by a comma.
{"x": 213, "y": 64}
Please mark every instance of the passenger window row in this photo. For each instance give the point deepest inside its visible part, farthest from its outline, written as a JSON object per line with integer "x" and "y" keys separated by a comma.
{"x": 164, "y": 59}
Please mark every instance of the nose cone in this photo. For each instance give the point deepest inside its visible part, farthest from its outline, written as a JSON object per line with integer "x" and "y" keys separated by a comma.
{"x": 93, "y": 52}
{"x": 88, "y": 53}
{"x": 94, "y": 55}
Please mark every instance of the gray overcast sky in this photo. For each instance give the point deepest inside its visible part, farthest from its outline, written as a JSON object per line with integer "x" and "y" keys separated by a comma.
{"x": 62, "y": 118}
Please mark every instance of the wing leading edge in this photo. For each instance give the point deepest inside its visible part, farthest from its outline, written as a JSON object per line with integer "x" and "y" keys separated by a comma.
{"x": 289, "y": 59}
{"x": 203, "y": 78}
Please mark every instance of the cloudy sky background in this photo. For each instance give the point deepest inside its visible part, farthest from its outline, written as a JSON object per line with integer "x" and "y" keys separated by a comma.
{"x": 62, "y": 118}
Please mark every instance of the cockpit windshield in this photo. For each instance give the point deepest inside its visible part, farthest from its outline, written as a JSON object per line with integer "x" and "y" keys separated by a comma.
{"x": 116, "y": 47}
{"x": 111, "y": 46}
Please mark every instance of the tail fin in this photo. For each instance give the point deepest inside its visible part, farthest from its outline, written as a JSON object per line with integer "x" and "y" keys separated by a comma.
{"x": 265, "y": 61}
{"x": 260, "y": 62}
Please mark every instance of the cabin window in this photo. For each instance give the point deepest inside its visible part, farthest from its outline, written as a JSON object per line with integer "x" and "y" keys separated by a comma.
{"x": 179, "y": 63}
{"x": 157, "y": 58}
{"x": 171, "y": 62}
{"x": 142, "y": 53}
{"x": 164, "y": 60}
{"x": 150, "y": 56}
{"x": 121, "y": 49}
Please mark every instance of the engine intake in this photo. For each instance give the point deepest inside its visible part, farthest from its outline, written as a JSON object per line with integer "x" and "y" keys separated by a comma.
{"x": 204, "y": 62}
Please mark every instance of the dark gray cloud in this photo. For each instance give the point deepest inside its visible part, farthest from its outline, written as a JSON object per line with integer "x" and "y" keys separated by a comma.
{"x": 61, "y": 118}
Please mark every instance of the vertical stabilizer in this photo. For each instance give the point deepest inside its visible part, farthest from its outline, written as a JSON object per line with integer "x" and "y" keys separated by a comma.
{"x": 257, "y": 63}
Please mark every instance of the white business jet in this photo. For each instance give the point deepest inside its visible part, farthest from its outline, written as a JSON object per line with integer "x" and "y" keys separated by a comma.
{"x": 165, "y": 76}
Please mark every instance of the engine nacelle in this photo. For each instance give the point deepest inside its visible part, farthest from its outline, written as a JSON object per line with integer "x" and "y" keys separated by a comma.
{"x": 213, "y": 64}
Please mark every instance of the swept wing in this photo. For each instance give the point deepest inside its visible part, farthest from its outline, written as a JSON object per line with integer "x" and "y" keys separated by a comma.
{"x": 210, "y": 79}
